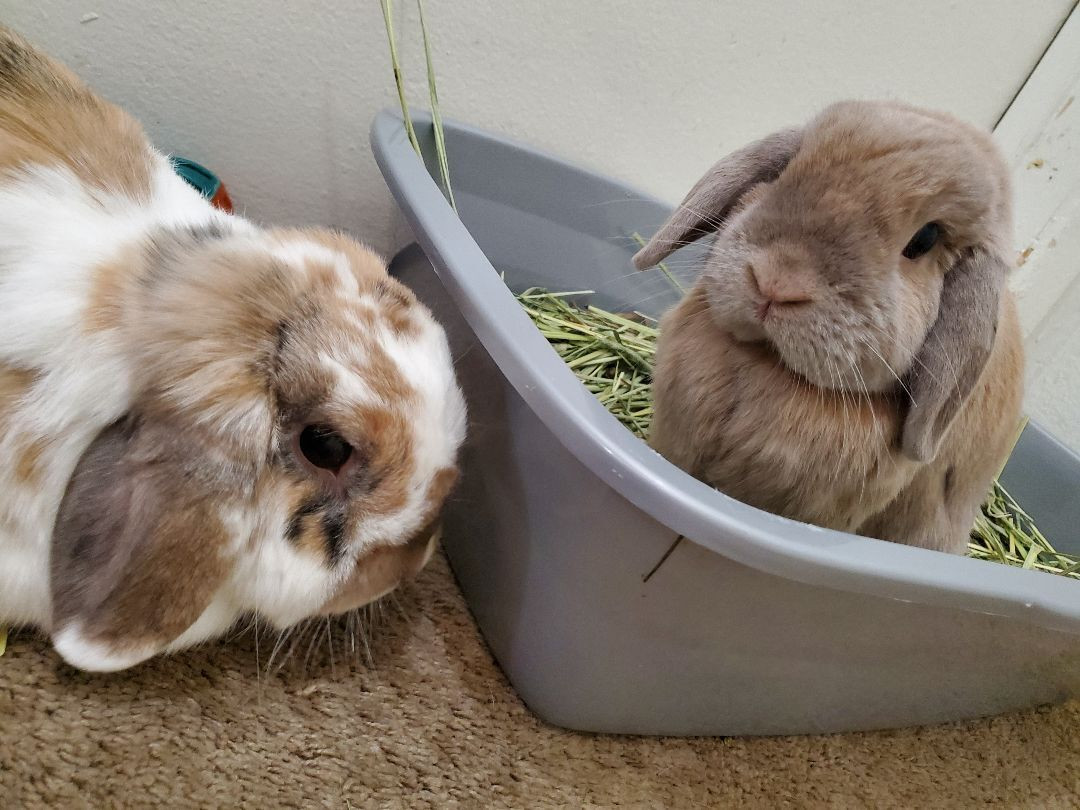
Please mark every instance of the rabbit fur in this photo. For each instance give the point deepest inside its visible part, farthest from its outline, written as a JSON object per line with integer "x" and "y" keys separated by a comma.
{"x": 825, "y": 367}
{"x": 200, "y": 420}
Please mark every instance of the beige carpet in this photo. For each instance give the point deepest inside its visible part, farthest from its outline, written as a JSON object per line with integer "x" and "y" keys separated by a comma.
{"x": 434, "y": 724}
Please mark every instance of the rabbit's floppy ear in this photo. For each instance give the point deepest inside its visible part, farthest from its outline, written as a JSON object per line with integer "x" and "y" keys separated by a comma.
{"x": 948, "y": 366}
{"x": 712, "y": 197}
{"x": 138, "y": 550}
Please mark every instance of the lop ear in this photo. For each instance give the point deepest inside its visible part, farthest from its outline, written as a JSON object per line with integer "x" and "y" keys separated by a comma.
{"x": 712, "y": 197}
{"x": 948, "y": 366}
{"x": 138, "y": 550}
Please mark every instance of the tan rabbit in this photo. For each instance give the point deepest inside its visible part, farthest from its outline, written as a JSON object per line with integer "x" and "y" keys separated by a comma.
{"x": 851, "y": 355}
{"x": 200, "y": 420}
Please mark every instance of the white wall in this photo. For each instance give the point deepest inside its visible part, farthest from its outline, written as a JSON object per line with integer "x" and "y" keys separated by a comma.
{"x": 1041, "y": 135}
{"x": 277, "y": 97}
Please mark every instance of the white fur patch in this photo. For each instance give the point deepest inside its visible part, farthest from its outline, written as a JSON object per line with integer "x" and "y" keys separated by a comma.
{"x": 301, "y": 254}
{"x": 219, "y": 616}
{"x": 349, "y": 386}
{"x": 280, "y": 583}
{"x": 75, "y": 648}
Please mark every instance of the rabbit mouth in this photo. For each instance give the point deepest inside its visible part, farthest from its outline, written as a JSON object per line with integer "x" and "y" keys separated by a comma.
{"x": 784, "y": 338}
{"x": 756, "y": 338}
{"x": 763, "y": 349}
{"x": 798, "y": 357}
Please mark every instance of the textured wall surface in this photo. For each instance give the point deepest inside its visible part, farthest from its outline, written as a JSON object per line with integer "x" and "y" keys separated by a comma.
{"x": 1041, "y": 136}
{"x": 277, "y": 97}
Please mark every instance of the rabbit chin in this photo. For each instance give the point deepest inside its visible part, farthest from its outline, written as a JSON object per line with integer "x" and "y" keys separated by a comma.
{"x": 772, "y": 349}
{"x": 750, "y": 332}
{"x": 747, "y": 331}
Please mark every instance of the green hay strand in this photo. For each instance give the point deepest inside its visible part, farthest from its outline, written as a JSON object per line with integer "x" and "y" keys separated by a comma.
{"x": 436, "y": 117}
{"x": 433, "y": 94}
{"x": 1005, "y": 533}
{"x": 637, "y": 237}
{"x": 399, "y": 77}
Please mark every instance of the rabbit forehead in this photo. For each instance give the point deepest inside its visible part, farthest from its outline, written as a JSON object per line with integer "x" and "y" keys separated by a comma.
{"x": 379, "y": 348}
{"x": 394, "y": 396}
{"x": 890, "y": 167}
{"x": 386, "y": 383}
{"x": 276, "y": 330}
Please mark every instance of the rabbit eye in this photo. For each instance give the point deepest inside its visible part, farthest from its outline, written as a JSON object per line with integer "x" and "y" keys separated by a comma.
{"x": 324, "y": 447}
{"x": 923, "y": 241}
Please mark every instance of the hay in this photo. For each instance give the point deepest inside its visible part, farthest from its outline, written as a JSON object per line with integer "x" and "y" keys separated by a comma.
{"x": 1005, "y": 533}
{"x": 612, "y": 355}
{"x": 433, "y": 94}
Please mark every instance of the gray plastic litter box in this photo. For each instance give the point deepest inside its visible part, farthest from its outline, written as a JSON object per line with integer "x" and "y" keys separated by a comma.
{"x": 754, "y": 624}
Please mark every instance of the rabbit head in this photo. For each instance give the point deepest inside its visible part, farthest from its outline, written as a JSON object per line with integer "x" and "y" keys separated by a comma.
{"x": 866, "y": 250}
{"x": 293, "y": 436}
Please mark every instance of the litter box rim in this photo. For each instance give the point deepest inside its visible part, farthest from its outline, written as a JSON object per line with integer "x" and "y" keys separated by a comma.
{"x": 705, "y": 516}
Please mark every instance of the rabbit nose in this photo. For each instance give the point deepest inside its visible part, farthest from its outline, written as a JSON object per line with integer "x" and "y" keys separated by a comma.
{"x": 785, "y": 286}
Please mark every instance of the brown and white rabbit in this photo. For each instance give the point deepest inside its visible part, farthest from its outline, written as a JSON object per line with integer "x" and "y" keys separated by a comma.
{"x": 199, "y": 419}
{"x": 851, "y": 355}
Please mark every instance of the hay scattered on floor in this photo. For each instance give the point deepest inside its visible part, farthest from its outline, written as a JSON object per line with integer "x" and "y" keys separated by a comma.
{"x": 612, "y": 354}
